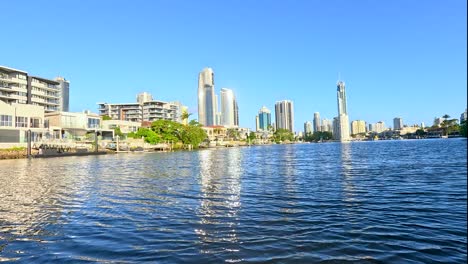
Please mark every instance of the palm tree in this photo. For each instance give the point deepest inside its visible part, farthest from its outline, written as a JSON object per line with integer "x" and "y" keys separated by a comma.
{"x": 185, "y": 115}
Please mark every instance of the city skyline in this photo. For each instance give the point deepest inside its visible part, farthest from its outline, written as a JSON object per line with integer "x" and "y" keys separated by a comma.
{"x": 413, "y": 67}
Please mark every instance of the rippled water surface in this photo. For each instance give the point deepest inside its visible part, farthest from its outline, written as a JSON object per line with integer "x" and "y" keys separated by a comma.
{"x": 364, "y": 202}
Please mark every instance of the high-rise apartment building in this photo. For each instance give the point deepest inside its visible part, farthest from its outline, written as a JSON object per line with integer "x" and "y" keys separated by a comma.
{"x": 327, "y": 125}
{"x": 144, "y": 97}
{"x": 229, "y": 114}
{"x": 236, "y": 113}
{"x": 378, "y": 127}
{"x": 64, "y": 101}
{"x": 206, "y": 98}
{"x": 143, "y": 110}
{"x": 284, "y": 115}
{"x": 343, "y": 120}
{"x": 264, "y": 118}
{"x": 307, "y": 128}
{"x": 317, "y": 123}
{"x": 336, "y": 128}
{"x": 218, "y": 114}
{"x": 358, "y": 127}
{"x": 17, "y": 86}
{"x": 397, "y": 123}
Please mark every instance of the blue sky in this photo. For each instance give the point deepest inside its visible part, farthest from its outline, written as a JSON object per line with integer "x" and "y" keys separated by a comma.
{"x": 398, "y": 58}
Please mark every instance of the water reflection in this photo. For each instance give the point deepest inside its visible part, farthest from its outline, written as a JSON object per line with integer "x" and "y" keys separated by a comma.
{"x": 346, "y": 170}
{"x": 28, "y": 200}
{"x": 220, "y": 176}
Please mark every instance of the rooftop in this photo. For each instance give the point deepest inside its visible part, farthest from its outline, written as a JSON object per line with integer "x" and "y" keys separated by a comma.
{"x": 7, "y": 69}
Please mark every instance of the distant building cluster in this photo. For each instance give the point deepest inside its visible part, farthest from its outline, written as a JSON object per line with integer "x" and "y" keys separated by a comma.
{"x": 144, "y": 109}
{"x": 41, "y": 106}
{"x": 209, "y": 112}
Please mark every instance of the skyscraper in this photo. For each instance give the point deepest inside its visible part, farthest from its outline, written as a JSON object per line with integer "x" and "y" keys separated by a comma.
{"x": 379, "y": 127}
{"x": 358, "y": 127}
{"x": 229, "y": 115}
{"x": 284, "y": 115}
{"x": 206, "y": 98}
{"x": 397, "y": 123}
{"x": 336, "y": 128}
{"x": 264, "y": 118}
{"x": 64, "y": 87}
{"x": 144, "y": 97}
{"x": 217, "y": 112}
{"x": 236, "y": 112}
{"x": 327, "y": 125}
{"x": 317, "y": 123}
{"x": 343, "y": 120}
{"x": 307, "y": 128}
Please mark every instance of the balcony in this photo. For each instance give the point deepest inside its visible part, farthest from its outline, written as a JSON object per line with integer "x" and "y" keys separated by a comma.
{"x": 45, "y": 87}
{"x": 5, "y": 95}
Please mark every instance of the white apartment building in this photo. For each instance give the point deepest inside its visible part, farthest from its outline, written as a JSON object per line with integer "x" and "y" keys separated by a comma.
{"x": 17, "y": 86}
{"x": 143, "y": 111}
{"x": 358, "y": 127}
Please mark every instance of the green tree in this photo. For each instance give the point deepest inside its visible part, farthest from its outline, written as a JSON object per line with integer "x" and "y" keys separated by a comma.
{"x": 233, "y": 134}
{"x": 283, "y": 135}
{"x": 252, "y": 136}
{"x": 106, "y": 117}
{"x": 118, "y": 132}
{"x": 185, "y": 115}
{"x": 193, "y": 134}
{"x": 167, "y": 130}
{"x": 449, "y": 125}
{"x": 318, "y": 136}
{"x": 147, "y": 134}
{"x": 421, "y": 133}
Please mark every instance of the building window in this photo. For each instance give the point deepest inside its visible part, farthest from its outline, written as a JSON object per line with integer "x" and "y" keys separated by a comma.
{"x": 21, "y": 121}
{"x": 93, "y": 123}
{"x": 35, "y": 123}
{"x": 5, "y": 120}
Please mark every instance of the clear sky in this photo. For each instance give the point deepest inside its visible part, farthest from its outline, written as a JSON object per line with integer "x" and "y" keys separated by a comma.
{"x": 398, "y": 58}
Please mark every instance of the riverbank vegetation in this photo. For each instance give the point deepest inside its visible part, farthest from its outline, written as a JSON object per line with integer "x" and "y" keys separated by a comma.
{"x": 281, "y": 135}
{"x": 166, "y": 131}
{"x": 318, "y": 136}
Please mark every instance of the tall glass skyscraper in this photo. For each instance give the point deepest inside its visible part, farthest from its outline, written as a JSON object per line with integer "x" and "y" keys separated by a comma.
{"x": 284, "y": 115}
{"x": 206, "y": 98}
{"x": 317, "y": 123}
{"x": 343, "y": 120}
{"x": 229, "y": 110}
{"x": 264, "y": 118}
{"x": 307, "y": 128}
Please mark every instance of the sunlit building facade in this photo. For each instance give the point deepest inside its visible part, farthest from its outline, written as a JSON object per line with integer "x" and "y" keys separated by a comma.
{"x": 264, "y": 119}
{"x": 343, "y": 120}
{"x": 284, "y": 115}
{"x": 206, "y": 98}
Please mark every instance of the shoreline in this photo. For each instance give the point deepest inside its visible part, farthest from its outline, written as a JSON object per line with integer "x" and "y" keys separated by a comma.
{"x": 6, "y": 154}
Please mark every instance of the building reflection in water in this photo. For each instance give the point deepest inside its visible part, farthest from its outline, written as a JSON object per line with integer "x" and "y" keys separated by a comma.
{"x": 346, "y": 171}
{"x": 289, "y": 175}
{"x": 220, "y": 178}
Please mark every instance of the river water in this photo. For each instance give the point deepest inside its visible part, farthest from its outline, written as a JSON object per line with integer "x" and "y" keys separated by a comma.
{"x": 363, "y": 202}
